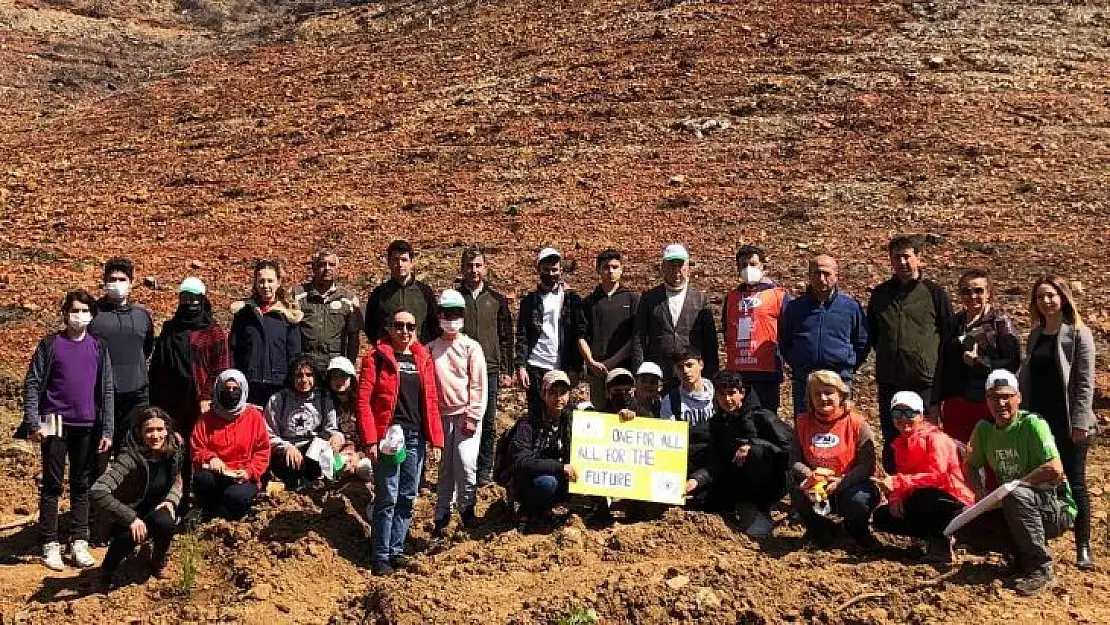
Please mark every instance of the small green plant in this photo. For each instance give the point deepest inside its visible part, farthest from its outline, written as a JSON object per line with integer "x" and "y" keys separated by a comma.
{"x": 189, "y": 550}
{"x": 579, "y": 616}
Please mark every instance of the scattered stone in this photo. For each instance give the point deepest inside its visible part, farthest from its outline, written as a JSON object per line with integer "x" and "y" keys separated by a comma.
{"x": 677, "y": 582}
{"x": 802, "y": 246}
{"x": 933, "y": 238}
{"x": 676, "y": 180}
{"x": 150, "y": 282}
{"x": 936, "y": 61}
{"x": 706, "y": 598}
{"x": 260, "y": 592}
{"x": 195, "y": 264}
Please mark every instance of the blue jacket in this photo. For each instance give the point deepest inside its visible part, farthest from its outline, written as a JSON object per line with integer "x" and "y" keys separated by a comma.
{"x": 813, "y": 335}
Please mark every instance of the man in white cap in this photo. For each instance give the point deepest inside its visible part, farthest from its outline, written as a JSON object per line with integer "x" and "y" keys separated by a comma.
{"x": 1018, "y": 447}
{"x": 673, "y": 318}
{"x": 649, "y": 386}
{"x": 332, "y": 319}
{"x": 546, "y": 328}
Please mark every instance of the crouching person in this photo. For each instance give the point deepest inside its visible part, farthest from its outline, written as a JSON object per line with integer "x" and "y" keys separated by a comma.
{"x": 295, "y": 416}
{"x": 540, "y": 452}
{"x": 832, "y": 459}
{"x": 928, "y": 489}
{"x": 751, "y": 455}
{"x": 140, "y": 492}
{"x": 1019, "y": 446}
{"x": 231, "y": 450}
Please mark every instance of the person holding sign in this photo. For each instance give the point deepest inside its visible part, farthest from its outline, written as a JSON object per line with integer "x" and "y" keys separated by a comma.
{"x": 928, "y": 490}
{"x": 1018, "y": 446}
{"x": 649, "y": 383}
{"x": 540, "y": 451}
{"x": 832, "y": 457}
{"x": 692, "y": 402}
{"x": 751, "y": 451}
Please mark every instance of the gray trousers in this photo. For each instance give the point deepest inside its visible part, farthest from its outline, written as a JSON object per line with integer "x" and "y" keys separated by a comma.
{"x": 1022, "y": 527}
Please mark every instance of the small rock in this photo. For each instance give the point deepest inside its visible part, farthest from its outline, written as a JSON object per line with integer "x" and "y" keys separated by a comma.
{"x": 677, "y": 582}
{"x": 936, "y": 61}
{"x": 195, "y": 264}
{"x": 31, "y": 307}
{"x": 933, "y": 238}
{"x": 676, "y": 180}
{"x": 260, "y": 592}
{"x": 706, "y": 598}
{"x": 802, "y": 246}
{"x": 282, "y": 607}
{"x": 150, "y": 282}
{"x": 791, "y": 615}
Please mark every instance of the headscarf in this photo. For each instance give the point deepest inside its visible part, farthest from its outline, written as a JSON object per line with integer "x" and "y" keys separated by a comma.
{"x": 229, "y": 412}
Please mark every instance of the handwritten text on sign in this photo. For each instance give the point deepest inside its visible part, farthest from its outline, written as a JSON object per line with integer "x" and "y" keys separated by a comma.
{"x": 642, "y": 459}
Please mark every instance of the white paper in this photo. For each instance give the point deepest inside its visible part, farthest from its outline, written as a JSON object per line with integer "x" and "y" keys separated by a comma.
{"x": 986, "y": 504}
{"x": 51, "y": 425}
{"x": 320, "y": 451}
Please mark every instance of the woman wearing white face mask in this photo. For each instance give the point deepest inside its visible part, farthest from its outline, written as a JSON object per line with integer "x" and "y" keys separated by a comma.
{"x": 461, "y": 385}
{"x": 68, "y": 408}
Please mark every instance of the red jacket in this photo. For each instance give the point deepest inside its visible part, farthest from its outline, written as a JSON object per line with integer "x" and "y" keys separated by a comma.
{"x": 378, "y": 388}
{"x": 926, "y": 457}
{"x": 240, "y": 444}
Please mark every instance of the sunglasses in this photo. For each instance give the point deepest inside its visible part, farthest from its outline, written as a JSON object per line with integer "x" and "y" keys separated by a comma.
{"x": 401, "y": 326}
{"x": 977, "y": 290}
{"x": 903, "y": 413}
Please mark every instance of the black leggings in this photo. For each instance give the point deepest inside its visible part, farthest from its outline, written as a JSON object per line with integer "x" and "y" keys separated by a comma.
{"x": 159, "y": 530}
{"x": 925, "y": 514}
{"x": 1074, "y": 458}
{"x": 79, "y": 446}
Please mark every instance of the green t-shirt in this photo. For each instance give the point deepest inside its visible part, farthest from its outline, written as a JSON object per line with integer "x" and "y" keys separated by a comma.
{"x": 1013, "y": 452}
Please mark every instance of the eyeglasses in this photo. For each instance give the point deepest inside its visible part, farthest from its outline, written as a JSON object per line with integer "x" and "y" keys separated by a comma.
{"x": 401, "y": 326}
{"x": 977, "y": 290}
{"x": 903, "y": 413}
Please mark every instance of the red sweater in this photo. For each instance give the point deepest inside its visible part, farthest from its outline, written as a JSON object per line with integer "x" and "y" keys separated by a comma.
{"x": 240, "y": 444}
{"x": 926, "y": 457}
{"x": 379, "y": 386}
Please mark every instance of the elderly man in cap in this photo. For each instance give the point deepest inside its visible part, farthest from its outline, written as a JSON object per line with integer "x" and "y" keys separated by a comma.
{"x": 332, "y": 319}
{"x": 673, "y": 318}
{"x": 547, "y": 328}
{"x": 1018, "y": 447}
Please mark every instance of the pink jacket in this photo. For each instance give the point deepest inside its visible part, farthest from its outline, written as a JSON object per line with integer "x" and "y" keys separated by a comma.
{"x": 928, "y": 458}
{"x": 461, "y": 381}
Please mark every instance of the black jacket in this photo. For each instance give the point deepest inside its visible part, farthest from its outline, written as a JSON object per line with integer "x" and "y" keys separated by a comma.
{"x": 124, "y": 485}
{"x": 529, "y": 323}
{"x": 389, "y": 297}
{"x": 128, "y": 331}
{"x": 999, "y": 348}
{"x": 659, "y": 339}
{"x": 263, "y": 346}
{"x": 487, "y": 319}
{"x": 754, "y": 425}
{"x": 608, "y": 323}
{"x": 532, "y": 455}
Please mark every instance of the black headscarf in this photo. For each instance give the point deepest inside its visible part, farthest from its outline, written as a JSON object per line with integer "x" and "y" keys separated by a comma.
{"x": 171, "y": 366}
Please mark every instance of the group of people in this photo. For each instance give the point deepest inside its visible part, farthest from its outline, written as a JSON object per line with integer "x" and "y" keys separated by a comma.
{"x": 217, "y": 414}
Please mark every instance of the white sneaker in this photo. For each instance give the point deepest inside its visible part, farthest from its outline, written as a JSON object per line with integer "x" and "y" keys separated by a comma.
{"x": 52, "y": 557}
{"x": 79, "y": 550}
{"x": 760, "y": 527}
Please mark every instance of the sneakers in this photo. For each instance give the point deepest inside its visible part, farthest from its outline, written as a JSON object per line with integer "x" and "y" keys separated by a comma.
{"x": 939, "y": 551}
{"x": 440, "y": 524}
{"x": 52, "y": 557}
{"x": 380, "y": 568}
{"x": 760, "y": 526}
{"x": 1083, "y": 559}
{"x": 79, "y": 551}
{"x": 1035, "y": 582}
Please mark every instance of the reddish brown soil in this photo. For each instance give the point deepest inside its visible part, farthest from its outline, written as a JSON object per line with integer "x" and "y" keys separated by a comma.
{"x": 800, "y": 126}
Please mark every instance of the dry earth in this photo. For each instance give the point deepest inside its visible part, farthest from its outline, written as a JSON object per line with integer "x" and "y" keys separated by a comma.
{"x": 196, "y": 145}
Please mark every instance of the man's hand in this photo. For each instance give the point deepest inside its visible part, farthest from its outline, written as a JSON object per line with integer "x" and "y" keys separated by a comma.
{"x": 336, "y": 442}
{"x": 469, "y": 427}
{"x": 972, "y": 355}
{"x": 216, "y": 465}
{"x": 624, "y": 414}
{"x": 691, "y": 486}
{"x": 293, "y": 457}
{"x": 506, "y": 380}
{"x": 522, "y": 378}
{"x": 741, "y": 455}
{"x": 597, "y": 368}
{"x": 168, "y": 507}
{"x": 205, "y": 405}
{"x": 138, "y": 530}
{"x": 371, "y": 451}
{"x": 436, "y": 454}
{"x": 104, "y": 446}
{"x": 572, "y": 475}
{"x": 37, "y": 437}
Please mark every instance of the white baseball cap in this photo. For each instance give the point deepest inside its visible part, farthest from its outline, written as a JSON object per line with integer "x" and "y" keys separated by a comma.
{"x": 675, "y": 251}
{"x": 551, "y": 377}
{"x": 546, "y": 253}
{"x": 909, "y": 399}
{"x": 617, "y": 374}
{"x": 650, "y": 368}
{"x": 1001, "y": 378}
{"x": 341, "y": 363}
{"x": 450, "y": 298}
{"x": 192, "y": 285}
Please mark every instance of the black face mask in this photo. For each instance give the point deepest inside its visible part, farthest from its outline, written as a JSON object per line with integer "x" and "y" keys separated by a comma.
{"x": 620, "y": 402}
{"x": 229, "y": 398}
{"x": 549, "y": 280}
{"x": 190, "y": 310}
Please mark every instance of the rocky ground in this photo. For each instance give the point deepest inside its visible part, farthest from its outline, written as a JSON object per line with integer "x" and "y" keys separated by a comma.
{"x": 196, "y": 145}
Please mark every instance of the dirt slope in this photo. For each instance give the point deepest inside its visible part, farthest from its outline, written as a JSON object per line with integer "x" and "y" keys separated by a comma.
{"x": 800, "y": 126}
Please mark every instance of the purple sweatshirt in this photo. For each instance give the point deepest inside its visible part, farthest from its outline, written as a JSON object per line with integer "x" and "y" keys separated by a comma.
{"x": 71, "y": 381}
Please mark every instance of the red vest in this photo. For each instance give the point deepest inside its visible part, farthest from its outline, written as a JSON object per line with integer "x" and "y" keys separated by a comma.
{"x": 830, "y": 445}
{"x": 752, "y": 329}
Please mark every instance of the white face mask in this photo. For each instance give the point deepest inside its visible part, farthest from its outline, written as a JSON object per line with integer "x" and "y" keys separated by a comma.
{"x": 118, "y": 290}
{"x": 79, "y": 320}
{"x": 751, "y": 275}
{"x": 451, "y": 326}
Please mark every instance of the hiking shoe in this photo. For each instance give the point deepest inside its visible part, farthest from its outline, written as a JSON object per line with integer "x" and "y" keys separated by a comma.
{"x": 381, "y": 569}
{"x": 400, "y": 562}
{"x": 1083, "y": 559}
{"x": 440, "y": 524}
{"x": 469, "y": 519}
{"x": 158, "y": 564}
{"x": 1035, "y": 582}
{"x": 867, "y": 541}
{"x": 107, "y": 581}
{"x": 52, "y": 557}
{"x": 79, "y": 551}
{"x": 939, "y": 551}
{"x": 760, "y": 527}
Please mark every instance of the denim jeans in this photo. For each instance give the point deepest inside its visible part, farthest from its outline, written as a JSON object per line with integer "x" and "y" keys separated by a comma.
{"x": 489, "y": 430}
{"x": 542, "y": 493}
{"x": 395, "y": 488}
{"x": 853, "y": 503}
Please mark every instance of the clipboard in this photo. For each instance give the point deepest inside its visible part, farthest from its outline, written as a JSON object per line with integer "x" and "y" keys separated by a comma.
{"x": 986, "y": 504}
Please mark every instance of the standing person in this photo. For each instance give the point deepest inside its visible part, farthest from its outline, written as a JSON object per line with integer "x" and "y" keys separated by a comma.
{"x": 833, "y": 444}
{"x": 750, "y": 318}
{"x": 980, "y": 339}
{"x": 190, "y": 352}
{"x": 692, "y": 402}
{"x": 402, "y": 291}
{"x": 295, "y": 416}
{"x": 141, "y": 491}
{"x": 906, "y": 320}
{"x": 1018, "y": 446}
{"x": 928, "y": 489}
{"x": 68, "y": 409}
{"x": 461, "y": 380}
{"x": 606, "y": 324}
{"x": 547, "y": 328}
{"x": 487, "y": 320}
{"x": 673, "y": 318}
{"x": 264, "y": 337}
{"x": 397, "y": 386}
{"x": 332, "y": 320}
{"x": 825, "y": 328}
{"x": 231, "y": 450}
{"x": 1058, "y": 383}
{"x": 127, "y": 329}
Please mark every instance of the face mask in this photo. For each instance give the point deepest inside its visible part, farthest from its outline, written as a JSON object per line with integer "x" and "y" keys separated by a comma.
{"x": 118, "y": 290}
{"x": 549, "y": 280}
{"x": 191, "y": 310}
{"x": 79, "y": 321}
{"x": 751, "y": 275}
{"x": 620, "y": 401}
{"x": 229, "y": 398}
{"x": 451, "y": 326}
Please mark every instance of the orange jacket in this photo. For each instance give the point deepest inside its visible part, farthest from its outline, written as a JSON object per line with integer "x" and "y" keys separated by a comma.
{"x": 926, "y": 457}
{"x": 829, "y": 444}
